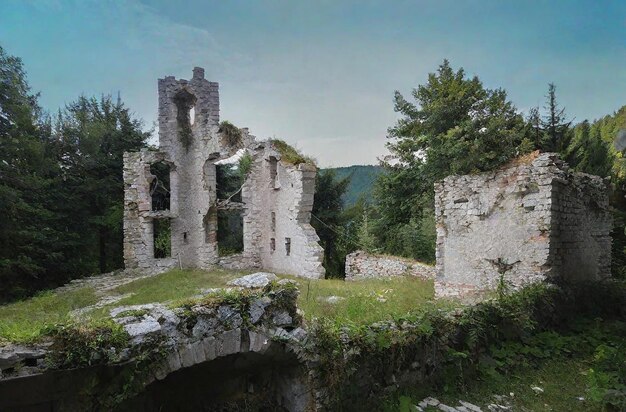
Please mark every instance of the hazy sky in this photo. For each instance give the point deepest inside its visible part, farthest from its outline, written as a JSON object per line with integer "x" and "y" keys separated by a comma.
{"x": 320, "y": 74}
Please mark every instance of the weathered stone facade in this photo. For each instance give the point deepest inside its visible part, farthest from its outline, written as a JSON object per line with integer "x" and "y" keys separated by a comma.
{"x": 523, "y": 224}
{"x": 361, "y": 265}
{"x": 276, "y": 198}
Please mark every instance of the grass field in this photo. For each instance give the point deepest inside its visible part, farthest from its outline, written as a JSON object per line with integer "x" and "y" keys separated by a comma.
{"x": 357, "y": 302}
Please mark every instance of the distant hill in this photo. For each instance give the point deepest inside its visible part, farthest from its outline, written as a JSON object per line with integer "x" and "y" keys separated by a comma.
{"x": 362, "y": 182}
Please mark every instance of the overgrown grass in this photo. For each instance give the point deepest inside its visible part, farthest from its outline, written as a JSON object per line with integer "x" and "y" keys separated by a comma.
{"x": 562, "y": 381}
{"x": 289, "y": 154}
{"x": 549, "y": 372}
{"x": 173, "y": 285}
{"x": 26, "y": 320}
{"x": 357, "y": 303}
{"x": 364, "y": 301}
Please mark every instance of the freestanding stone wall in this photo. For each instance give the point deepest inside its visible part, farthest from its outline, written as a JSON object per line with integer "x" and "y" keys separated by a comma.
{"x": 277, "y": 197}
{"x": 279, "y": 200}
{"x": 361, "y": 265}
{"x": 526, "y": 223}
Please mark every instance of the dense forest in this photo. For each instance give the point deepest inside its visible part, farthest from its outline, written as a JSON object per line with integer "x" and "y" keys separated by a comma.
{"x": 61, "y": 188}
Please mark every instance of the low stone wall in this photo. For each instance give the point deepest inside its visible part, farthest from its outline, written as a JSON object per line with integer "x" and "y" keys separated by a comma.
{"x": 361, "y": 265}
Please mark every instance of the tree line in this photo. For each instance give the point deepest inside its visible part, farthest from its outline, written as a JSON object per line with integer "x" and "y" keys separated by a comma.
{"x": 61, "y": 187}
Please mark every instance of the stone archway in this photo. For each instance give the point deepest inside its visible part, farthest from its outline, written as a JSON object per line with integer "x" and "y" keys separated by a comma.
{"x": 225, "y": 372}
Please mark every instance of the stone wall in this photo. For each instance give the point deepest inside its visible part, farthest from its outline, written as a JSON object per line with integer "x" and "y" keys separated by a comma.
{"x": 278, "y": 214}
{"x": 277, "y": 197}
{"x": 529, "y": 222}
{"x": 361, "y": 265}
{"x": 138, "y": 213}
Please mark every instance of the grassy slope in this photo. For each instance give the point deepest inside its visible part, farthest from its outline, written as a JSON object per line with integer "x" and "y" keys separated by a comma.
{"x": 364, "y": 302}
{"x": 563, "y": 381}
{"x": 25, "y": 320}
{"x": 563, "y": 377}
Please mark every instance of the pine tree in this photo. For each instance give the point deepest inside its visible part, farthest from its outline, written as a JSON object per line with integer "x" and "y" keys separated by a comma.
{"x": 329, "y": 220}
{"x": 556, "y": 128}
{"x": 455, "y": 126}
{"x": 92, "y": 136}
{"x": 26, "y": 224}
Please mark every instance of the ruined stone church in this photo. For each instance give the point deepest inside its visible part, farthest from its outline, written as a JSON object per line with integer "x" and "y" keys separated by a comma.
{"x": 179, "y": 210}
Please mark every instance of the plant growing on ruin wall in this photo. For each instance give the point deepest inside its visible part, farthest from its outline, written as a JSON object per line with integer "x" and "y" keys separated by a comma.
{"x": 245, "y": 165}
{"x": 289, "y": 154}
{"x": 230, "y": 134}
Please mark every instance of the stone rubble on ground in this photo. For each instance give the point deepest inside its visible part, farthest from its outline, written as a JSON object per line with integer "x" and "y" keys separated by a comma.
{"x": 254, "y": 280}
{"x": 435, "y": 403}
{"x": 537, "y": 389}
{"x": 331, "y": 299}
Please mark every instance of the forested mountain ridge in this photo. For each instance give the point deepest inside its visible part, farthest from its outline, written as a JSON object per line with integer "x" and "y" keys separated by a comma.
{"x": 361, "y": 183}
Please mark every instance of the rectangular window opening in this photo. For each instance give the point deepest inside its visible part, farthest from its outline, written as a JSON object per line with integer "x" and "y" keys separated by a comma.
{"x": 228, "y": 182}
{"x": 160, "y": 186}
{"x": 229, "y": 232}
{"x": 273, "y": 221}
{"x": 274, "y": 173}
{"x": 272, "y": 245}
{"x": 288, "y": 246}
{"x": 162, "y": 236}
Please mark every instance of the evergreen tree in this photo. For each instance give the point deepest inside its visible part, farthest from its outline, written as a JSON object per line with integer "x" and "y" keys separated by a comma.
{"x": 535, "y": 132}
{"x": 91, "y": 138}
{"x": 26, "y": 167}
{"x": 556, "y": 128}
{"x": 330, "y": 221}
{"x": 455, "y": 126}
{"x": 588, "y": 152}
{"x": 366, "y": 239}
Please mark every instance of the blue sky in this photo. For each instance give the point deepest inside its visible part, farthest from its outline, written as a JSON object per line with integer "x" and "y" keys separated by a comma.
{"x": 320, "y": 74}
